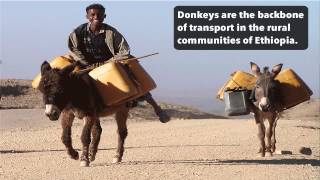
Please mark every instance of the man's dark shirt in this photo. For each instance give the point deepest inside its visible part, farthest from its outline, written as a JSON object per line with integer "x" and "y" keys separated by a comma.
{"x": 89, "y": 48}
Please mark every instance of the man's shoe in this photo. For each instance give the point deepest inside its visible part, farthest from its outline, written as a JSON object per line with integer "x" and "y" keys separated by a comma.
{"x": 163, "y": 117}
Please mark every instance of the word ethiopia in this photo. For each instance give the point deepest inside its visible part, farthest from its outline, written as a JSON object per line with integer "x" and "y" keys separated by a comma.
{"x": 229, "y": 40}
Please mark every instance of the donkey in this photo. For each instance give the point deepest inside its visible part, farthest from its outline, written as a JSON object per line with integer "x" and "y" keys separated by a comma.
{"x": 68, "y": 95}
{"x": 266, "y": 104}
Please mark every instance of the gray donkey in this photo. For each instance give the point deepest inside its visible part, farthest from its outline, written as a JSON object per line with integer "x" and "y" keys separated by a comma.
{"x": 266, "y": 104}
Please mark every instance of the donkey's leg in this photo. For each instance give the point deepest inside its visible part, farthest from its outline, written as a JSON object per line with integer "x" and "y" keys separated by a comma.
{"x": 67, "y": 118}
{"x": 96, "y": 131}
{"x": 261, "y": 133}
{"x": 86, "y": 139}
{"x": 121, "y": 118}
{"x": 273, "y": 138}
{"x": 269, "y": 134}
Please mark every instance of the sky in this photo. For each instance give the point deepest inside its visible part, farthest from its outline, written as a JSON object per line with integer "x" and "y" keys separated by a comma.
{"x": 32, "y": 32}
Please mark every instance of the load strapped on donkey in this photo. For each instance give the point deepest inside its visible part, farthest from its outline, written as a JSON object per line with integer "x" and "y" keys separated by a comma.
{"x": 117, "y": 80}
{"x": 237, "y": 90}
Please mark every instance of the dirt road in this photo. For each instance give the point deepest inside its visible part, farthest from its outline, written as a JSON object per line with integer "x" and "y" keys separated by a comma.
{"x": 30, "y": 148}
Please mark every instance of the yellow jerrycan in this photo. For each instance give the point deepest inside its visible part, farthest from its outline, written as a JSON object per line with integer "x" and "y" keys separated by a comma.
{"x": 58, "y": 62}
{"x": 238, "y": 79}
{"x": 113, "y": 83}
{"x": 293, "y": 89}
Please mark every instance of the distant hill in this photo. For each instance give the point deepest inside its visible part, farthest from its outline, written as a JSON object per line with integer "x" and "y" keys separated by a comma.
{"x": 206, "y": 104}
{"x": 18, "y": 94}
{"x": 308, "y": 110}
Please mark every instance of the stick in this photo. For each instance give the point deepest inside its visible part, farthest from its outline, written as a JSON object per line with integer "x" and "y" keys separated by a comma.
{"x": 130, "y": 59}
{"x": 115, "y": 60}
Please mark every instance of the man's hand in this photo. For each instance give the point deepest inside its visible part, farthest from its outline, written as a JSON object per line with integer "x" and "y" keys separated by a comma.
{"x": 118, "y": 57}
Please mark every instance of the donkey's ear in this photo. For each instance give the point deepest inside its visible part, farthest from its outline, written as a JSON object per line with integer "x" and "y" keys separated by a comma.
{"x": 45, "y": 66}
{"x": 276, "y": 69}
{"x": 68, "y": 69}
{"x": 255, "y": 68}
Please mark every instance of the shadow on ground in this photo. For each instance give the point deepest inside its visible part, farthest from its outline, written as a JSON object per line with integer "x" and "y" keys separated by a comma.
{"x": 312, "y": 162}
{"x": 12, "y": 151}
{"x": 263, "y": 161}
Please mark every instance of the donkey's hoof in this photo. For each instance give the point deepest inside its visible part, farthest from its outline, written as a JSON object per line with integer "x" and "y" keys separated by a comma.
{"x": 116, "y": 160}
{"x": 74, "y": 155}
{"x": 259, "y": 151}
{"x": 84, "y": 163}
{"x": 268, "y": 154}
{"x": 92, "y": 157}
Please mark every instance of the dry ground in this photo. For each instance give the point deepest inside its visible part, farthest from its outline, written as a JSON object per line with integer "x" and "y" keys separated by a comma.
{"x": 202, "y": 147}
{"x": 181, "y": 149}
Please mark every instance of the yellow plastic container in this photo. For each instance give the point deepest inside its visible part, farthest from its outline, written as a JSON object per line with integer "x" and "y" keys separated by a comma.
{"x": 293, "y": 89}
{"x": 59, "y": 62}
{"x": 141, "y": 78}
{"x": 113, "y": 83}
{"x": 112, "y": 80}
{"x": 239, "y": 79}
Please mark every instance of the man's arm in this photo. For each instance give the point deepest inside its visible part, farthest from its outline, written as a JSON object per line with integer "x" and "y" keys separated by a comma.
{"x": 74, "y": 47}
{"x": 121, "y": 46}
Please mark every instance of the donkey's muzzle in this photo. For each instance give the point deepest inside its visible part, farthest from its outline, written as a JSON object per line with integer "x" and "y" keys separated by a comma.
{"x": 54, "y": 116}
{"x": 264, "y": 104}
{"x": 52, "y": 112}
{"x": 266, "y": 108}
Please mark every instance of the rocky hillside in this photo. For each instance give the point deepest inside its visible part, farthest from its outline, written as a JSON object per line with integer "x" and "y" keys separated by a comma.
{"x": 18, "y": 94}
{"x": 308, "y": 110}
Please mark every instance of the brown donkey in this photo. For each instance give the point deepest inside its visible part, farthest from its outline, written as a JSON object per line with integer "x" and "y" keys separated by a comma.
{"x": 266, "y": 100}
{"x": 68, "y": 95}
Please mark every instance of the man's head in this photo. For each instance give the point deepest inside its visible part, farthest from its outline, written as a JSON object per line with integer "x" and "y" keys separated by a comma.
{"x": 95, "y": 14}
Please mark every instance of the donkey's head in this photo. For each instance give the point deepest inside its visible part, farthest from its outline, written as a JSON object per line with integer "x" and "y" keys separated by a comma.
{"x": 53, "y": 85}
{"x": 265, "y": 91}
